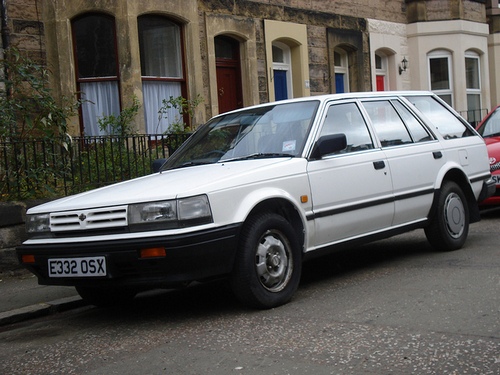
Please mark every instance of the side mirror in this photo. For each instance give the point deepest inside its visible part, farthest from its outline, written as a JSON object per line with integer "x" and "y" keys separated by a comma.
{"x": 157, "y": 164}
{"x": 328, "y": 144}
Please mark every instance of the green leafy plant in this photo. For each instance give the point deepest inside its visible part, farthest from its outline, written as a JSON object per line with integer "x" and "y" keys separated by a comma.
{"x": 121, "y": 124}
{"x": 30, "y": 112}
{"x": 177, "y": 126}
{"x": 27, "y": 107}
{"x": 184, "y": 107}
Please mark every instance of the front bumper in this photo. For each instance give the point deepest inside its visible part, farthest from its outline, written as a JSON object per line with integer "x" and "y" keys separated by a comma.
{"x": 188, "y": 257}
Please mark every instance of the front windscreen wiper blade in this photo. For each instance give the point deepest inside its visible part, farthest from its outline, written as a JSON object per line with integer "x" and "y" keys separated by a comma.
{"x": 258, "y": 155}
{"x": 191, "y": 164}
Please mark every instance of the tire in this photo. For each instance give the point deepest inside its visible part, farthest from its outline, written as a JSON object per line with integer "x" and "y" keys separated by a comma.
{"x": 449, "y": 227}
{"x": 106, "y": 297}
{"x": 268, "y": 264}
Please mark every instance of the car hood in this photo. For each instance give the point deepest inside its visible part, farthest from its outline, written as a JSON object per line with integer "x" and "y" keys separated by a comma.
{"x": 182, "y": 182}
{"x": 493, "y": 146}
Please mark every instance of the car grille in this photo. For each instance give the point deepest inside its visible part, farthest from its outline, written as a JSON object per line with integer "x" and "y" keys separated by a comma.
{"x": 89, "y": 220}
{"x": 495, "y": 167}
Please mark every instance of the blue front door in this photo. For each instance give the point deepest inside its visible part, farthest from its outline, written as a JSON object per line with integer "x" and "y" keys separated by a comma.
{"x": 339, "y": 83}
{"x": 280, "y": 86}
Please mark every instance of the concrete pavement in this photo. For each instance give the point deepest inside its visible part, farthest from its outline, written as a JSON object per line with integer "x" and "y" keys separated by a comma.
{"x": 21, "y": 297}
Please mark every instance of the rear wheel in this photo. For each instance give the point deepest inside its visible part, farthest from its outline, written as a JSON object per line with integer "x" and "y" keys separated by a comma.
{"x": 449, "y": 228}
{"x": 105, "y": 296}
{"x": 268, "y": 265}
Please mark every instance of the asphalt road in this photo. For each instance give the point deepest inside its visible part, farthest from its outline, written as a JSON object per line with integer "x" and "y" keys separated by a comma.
{"x": 391, "y": 307}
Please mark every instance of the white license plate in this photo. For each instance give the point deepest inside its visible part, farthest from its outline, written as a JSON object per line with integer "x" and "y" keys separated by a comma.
{"x": 77, "y": 267}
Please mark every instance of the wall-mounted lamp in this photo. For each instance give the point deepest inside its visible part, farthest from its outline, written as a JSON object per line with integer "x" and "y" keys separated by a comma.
{"x": 403, "y": 66}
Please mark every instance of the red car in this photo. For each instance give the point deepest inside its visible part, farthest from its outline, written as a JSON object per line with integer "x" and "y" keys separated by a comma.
{"x": 489, "y": 128}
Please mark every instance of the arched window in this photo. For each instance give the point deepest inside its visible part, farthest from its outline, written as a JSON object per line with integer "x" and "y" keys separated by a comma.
{"x": 282, "y": 71}
{"x": 96, "y": 59}
{"x": 160, "y": 45}
{"x": 440, "y": 76}
{"x": 340, "y": 62}
{"x": 473, "y": 87}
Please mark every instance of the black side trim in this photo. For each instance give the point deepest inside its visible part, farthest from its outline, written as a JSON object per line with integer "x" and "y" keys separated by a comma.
{"x": 483, "y": 177}
{"x": 413, "y": 195}
{"x": 360, "y": 206}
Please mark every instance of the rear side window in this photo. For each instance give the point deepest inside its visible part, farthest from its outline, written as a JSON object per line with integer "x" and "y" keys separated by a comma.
{"x": 445, "y": 122}
{"x": 387, "y": 123}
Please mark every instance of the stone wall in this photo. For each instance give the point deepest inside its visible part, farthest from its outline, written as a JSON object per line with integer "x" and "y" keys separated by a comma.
{"x": 26, "y": 29}
{"x": 12, "y": 234}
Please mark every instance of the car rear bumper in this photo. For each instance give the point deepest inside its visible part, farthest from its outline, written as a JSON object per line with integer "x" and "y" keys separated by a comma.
{"x": 187, "y": 257}
{"x": 488, "y": 190}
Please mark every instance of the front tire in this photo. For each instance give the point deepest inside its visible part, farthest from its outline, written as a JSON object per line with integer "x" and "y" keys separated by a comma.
{"x": 268, "y": 265}
{"x": 449, "y": 228}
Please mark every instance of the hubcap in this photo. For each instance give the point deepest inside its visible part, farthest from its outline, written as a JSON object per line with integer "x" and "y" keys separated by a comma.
{"x": 454, "y": 215}
{"x": 273, "y": 262}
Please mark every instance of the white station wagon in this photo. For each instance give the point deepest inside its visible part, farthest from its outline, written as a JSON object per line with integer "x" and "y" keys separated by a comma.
{"x": 255, "y": 192}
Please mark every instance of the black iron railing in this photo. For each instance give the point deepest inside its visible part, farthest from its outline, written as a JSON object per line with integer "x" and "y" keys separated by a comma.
{"x": 31, "y": 169}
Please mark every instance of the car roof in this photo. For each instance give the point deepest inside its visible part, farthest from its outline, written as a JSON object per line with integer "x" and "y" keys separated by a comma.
{"x": 329, "y": 97}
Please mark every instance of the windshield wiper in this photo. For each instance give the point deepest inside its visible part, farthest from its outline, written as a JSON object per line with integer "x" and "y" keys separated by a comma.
{"x": 258, "y": 155}
{"x": 191, "y": 164}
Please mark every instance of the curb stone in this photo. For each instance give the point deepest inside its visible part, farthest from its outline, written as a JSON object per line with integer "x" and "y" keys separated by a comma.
{"x": 40, "y": 310}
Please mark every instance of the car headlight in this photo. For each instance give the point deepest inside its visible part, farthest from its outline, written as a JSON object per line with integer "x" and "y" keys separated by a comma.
{"x": 178, "y": 213}
{"x": 37, "y": 224}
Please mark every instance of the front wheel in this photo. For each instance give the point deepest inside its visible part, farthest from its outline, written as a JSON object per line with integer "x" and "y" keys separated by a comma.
{"x": 268, "y": 264}
{"x": 449, "y": 228}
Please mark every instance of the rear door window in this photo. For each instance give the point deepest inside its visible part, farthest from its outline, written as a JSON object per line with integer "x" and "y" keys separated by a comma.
{"x": 387, "y": 123}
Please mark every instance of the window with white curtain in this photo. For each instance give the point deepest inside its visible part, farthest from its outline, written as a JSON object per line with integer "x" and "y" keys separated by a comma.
{"x": 97, "y": 70}
{"x": 161, "y": 69}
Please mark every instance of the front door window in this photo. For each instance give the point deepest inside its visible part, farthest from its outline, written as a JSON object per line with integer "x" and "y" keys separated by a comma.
{"x": 341, "y": 71}
{"x": 282, "y": 71}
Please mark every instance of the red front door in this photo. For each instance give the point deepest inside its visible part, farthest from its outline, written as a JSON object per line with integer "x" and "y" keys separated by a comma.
{"x": 380, "y": 83}
{"x": 228, "y": 68}
{"x": 227, "y": 89}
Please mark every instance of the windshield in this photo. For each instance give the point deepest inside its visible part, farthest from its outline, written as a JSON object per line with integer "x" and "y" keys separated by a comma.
{"x": 277, "y": 130}
{"x": 491, "y": 127}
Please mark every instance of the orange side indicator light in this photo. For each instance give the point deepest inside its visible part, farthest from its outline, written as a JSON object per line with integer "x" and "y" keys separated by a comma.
{"x": 28, "y": 258}
{"x": 304, "y": 198}
{"x": 153, "y": 252}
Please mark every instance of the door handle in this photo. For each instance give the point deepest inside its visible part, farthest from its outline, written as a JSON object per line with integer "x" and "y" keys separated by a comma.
{"x": 437, "y": 154}
{"x": 379, "y": 164}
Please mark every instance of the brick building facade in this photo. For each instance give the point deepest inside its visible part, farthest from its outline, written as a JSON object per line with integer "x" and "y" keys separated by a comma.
{"x": 237, "y": 53}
